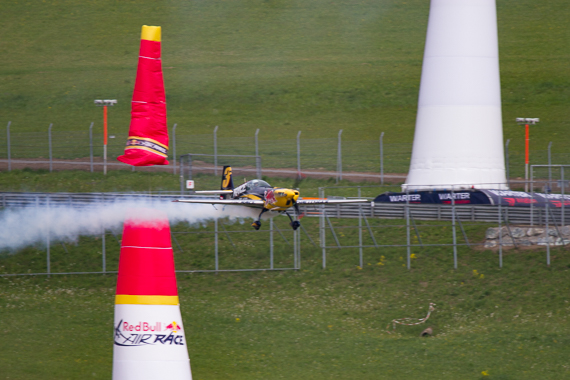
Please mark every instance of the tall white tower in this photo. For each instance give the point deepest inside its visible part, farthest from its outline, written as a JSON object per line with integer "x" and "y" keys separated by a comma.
{"x": 458, "y": 142}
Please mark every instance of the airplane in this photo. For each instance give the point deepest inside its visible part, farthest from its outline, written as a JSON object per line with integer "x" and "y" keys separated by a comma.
{"x": 258, "y": 194}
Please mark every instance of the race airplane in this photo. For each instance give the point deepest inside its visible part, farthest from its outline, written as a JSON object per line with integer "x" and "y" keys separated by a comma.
{"x": 258, "y": 194}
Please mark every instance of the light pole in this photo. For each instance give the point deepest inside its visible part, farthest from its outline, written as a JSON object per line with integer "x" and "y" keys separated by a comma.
{"x": 526, "y": 121}
{"x": 104, "y": 103}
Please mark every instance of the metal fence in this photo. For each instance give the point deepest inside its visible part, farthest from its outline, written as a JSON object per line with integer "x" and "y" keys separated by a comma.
{"x": 367, "y": 221}
{"x": 304, "y": 155}
{"x": 461, "y": 216}
{"x": 220, "y": 231}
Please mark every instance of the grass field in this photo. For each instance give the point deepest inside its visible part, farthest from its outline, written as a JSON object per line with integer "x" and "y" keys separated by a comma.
{"x": 489, "y": 323}
{"x": 281, "y": 66}
{"x": 509, "y": 323}
{"x": 278, "y": 66}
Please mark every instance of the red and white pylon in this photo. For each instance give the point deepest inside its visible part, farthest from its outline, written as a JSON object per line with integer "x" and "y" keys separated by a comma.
{"x": 149, "y": 340}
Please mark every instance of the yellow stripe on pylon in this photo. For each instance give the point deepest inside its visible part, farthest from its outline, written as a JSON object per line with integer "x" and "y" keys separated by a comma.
{"x": 147, "y": 149}
{"x": 126, "y": 299}
{"x": 150, "y": 33}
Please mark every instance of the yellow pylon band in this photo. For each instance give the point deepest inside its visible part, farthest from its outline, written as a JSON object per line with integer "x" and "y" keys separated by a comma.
{"x": 125, "y": 299}
{"x": 151, "y": 33}
{"x": 148, "y": 139}
{"x": 147, "y": 149}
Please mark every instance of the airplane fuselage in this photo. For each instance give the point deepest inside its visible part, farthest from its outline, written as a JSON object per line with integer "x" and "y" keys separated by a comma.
{"x": 274, "y": 198}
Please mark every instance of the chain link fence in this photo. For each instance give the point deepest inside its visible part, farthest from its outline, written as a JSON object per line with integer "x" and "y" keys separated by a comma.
{"x": 84, "y": 149}
{"x": 352, "y": 234}
{"x": 305, "y": 155}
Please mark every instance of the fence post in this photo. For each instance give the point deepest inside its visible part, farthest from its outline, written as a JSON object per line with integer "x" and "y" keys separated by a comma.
{"x": 531, "y": 196}
{"x": 91, "y": 146}
{"x": 181, "y": 171}
{"x": 547, "y": 208}
{"x": 562, "y": 192}
{"x": 408, "y": 227}
{"x": 50, "y": 149}
{"x": 48, "y": 258}
{"x": 382, "y": 158}
{"x": 216, "y": 150}
{"x": 256, "y": 142}
{"x": 454, "y": 232}
{"x": 271, "y": 243}
{"x": 500, "y": 235}
{"x": 216, "y": 244}
{"x": 339, "y": 158}
{"x": 322, "y": 229}
{"x": 295, "y": 261}
{"x": 8, "y": 146}
{"x": 104, "y": 251}
{"x": 507, "y": 159}
{"x": 299, "y": 155}
{"x": 298, "y": 232}
{"x": 360, "y": 230}
{"x": 173, "y": 148}
{"x": 257, "y": 157}
{"x": 549, "y": 168}
{"x": 8, "y": 142}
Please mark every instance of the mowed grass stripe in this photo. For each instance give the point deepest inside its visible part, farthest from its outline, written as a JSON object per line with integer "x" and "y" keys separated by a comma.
{"x": 278, "y": 66}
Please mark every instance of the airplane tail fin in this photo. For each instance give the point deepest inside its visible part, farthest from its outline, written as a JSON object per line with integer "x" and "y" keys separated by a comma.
{"x": 227, "y": 179}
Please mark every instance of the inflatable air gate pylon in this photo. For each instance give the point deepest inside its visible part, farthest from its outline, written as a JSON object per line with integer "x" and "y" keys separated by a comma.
{"x": 149, "y": 339}
{"x": 147, "y": 143}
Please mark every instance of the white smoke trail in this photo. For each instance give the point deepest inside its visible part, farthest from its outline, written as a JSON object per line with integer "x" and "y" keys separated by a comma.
{"x": 20, "y": 227}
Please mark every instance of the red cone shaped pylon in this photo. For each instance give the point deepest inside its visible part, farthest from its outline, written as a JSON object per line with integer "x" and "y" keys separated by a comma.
{"x": 149, "y": 335}
{"x": 147, "y": 143}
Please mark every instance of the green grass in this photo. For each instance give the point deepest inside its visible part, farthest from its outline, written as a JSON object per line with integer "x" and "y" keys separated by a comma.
{"x": 317, "y": 324}
{"x": 281, "y": 67}
{"x": 510, "y": 323}
{"x": 78, "y": 181}
{"x": 278, "y": 66}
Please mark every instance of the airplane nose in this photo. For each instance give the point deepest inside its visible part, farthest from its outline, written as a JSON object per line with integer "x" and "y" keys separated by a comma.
{"x": 295, "y": 195}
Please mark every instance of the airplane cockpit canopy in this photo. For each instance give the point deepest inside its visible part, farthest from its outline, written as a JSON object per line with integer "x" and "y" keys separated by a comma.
{"x": 256, "y": 183}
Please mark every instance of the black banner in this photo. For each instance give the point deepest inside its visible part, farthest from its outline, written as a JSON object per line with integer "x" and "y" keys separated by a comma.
{"x": 478, "y": 197}
{"x": 436, "y": 197}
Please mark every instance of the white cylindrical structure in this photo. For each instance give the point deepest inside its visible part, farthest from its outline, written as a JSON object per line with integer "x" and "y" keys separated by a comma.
{"x": 458, "y": 141}
{"x": 149, "y": 343}
{"x": 149, "y": 339}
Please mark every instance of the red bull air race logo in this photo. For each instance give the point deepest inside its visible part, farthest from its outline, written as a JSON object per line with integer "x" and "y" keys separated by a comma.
{"x": 145, "y": 333}
{"x": 270, "y": 197}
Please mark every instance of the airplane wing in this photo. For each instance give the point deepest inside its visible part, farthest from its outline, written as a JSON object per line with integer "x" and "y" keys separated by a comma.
{"x": 245, "y": 202}
{"x": 322, "y": 201}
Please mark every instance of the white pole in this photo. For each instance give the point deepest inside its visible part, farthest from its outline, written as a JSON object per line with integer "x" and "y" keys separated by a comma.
{"x": 339, "y": 157}
{"x": 460, "y": 92}
{"x": 216, "y": 150}
{"x": 271, "y": 243}
{"x": 361, "y": 256}
{"x": 382, "y": 158}
{"x": 8, "y": 142}
{"x": 50, "y": 149}
{"x": 173, "y": 148}
{"x": 91, "y": 146}
{"x": 549, "y": 167}
{"x": 299, "y": 155}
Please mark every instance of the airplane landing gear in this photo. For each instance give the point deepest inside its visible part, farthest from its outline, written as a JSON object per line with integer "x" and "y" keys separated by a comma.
{"x": 257, "y": 223}
{"x": 295, "y": 224}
